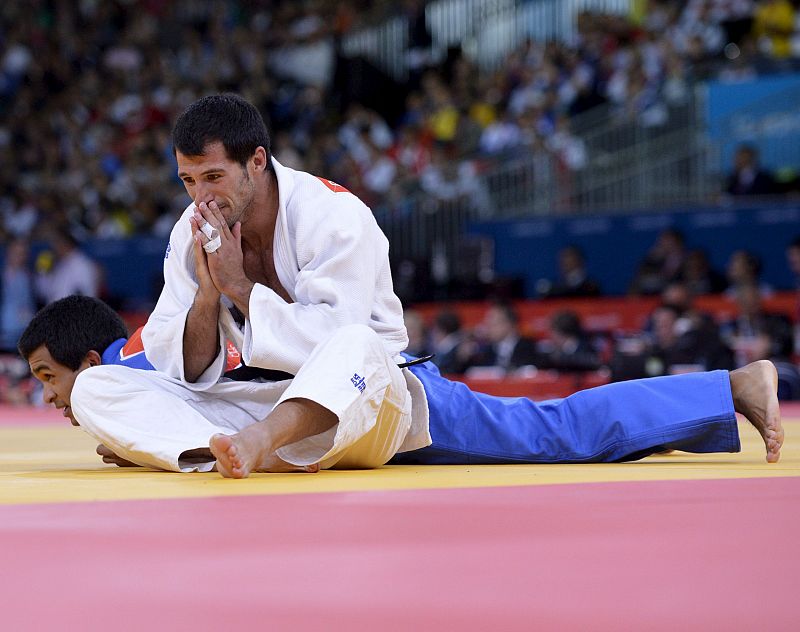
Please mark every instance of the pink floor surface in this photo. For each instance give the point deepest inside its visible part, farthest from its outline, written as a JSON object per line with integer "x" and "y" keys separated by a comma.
{"x": 642, "y": 555}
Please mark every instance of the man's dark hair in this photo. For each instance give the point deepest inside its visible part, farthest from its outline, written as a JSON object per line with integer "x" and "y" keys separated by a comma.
{"x": 70, "y": 328}
{"x": 508, "y": 311}
{"x": 753, "y": 262}
{"x": 448, "y": 322}
{"x": 577, "y": 251}
{"x": 226, "y": 118}
{"x": 567, "y": 323}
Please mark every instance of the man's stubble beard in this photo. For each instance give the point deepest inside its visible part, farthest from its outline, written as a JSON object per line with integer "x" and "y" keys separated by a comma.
{"x": 246, "y": 210}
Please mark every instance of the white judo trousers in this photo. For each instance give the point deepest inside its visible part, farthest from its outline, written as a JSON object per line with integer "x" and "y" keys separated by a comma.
{"x": 151, "y": 419}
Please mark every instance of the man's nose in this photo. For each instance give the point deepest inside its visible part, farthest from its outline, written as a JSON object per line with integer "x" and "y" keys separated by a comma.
{"x": 202, "y": 193}
{"x": 48, "y": 395}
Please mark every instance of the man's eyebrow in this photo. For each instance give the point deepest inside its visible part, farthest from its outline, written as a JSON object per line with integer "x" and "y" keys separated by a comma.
{"x": 41, "y": 367}
{"x": 183, "y": 174}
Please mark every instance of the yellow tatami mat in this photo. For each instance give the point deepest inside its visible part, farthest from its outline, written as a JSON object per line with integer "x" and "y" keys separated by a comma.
{"x": 57, "y": 464}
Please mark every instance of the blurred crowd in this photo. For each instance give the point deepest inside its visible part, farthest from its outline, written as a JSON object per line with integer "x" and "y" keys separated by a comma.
{"x": 676, "y": 337}
{"x": 88, "y": 90}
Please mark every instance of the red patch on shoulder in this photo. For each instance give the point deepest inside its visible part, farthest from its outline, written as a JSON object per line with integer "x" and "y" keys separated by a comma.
{"x": 336, "y": 188}
{"x": 134, "y": 344}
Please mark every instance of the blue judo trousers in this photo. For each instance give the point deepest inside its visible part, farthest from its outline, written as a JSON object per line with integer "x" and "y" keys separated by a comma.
{"x": 616, "y": 422}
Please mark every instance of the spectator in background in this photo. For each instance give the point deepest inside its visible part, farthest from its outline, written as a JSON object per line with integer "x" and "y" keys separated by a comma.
{"x": 417, "y": 336}
{"x": 776, "y": 343}
{"x": 698, "y": 335}
{"x": 568, "y": 347}
{"x": 698, "y": 275}
{"x": 651, "y": 357}
{"x": 679, "y": 339}
{"x": 573, "y": 278}
{"x": 72, "y": 271}
{"x": 18, "y": 305}
{"x": 743, "y": 332}
{"x": 748, "y": 178}
{"x": 662, "y": 264}
{"x": 503, "y": 346}
{"x": 744, "y": 269}
{"x": 447, "y": 343}
{"x": 773, "y": 27}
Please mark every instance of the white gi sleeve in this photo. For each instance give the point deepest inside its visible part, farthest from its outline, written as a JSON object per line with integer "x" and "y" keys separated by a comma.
{"x": 163, "y": 333}
{"x": 342, "y": 257}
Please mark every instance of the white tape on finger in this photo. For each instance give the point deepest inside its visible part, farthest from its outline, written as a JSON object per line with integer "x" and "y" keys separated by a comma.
{"x": 209, "y": 231}
{"x": 213, "y": 245}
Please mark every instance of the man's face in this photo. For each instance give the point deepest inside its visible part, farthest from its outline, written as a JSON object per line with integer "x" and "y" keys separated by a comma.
{"x": 664, "y": 326}
{"x": 215, "y": 177}
{"x": 497, "y": 325}
{"x": 56, "y": 379}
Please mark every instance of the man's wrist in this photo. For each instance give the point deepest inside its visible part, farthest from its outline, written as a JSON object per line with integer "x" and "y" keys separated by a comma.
{"x": 206, "y": 301}
{"x": 240, "y": 295}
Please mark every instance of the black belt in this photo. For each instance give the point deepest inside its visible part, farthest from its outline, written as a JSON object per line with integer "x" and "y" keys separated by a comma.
{"x": 415, "y": 361}
{"x": 246, "y": 373}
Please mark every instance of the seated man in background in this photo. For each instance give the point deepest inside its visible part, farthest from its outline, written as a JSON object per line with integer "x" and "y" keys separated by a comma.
{"x": 747, "y": 177}
{"x": 568, "y": 347}
{"x": 776, "y": 344}
{"x": 448, "y": 342}
{"x": 501, "y": 344}
{"x": 741, "y": 333}
{"x": 679, "y": 339}
{"x": 573, "y": 277}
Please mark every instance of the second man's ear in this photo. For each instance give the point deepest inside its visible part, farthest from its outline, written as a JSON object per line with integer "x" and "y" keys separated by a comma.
{"x": 94, "y": 358}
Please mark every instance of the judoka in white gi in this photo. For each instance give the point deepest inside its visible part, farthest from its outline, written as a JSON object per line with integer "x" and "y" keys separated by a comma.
{"x": 293, "y": 272}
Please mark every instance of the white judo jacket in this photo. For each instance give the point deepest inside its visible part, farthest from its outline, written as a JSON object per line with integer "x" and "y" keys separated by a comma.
{"x": 331, "y": 258}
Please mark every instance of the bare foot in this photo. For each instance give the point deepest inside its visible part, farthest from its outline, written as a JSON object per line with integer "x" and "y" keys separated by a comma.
{"x": 755, "y": 395}
{"x": 248, "y": 451}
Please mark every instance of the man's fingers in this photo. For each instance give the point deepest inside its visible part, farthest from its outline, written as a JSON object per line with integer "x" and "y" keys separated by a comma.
{"x": 219, "y": 221}
{"x": 197, "y": 234}
{"x": 211, "y": 214}
{"x": 111, "y": 458}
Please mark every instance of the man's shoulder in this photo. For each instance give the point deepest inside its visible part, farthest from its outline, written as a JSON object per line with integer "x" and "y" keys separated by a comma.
{"x": 317, "y": 201}
{"x": 308, "y": 188}
{"x": 128, "y": 352}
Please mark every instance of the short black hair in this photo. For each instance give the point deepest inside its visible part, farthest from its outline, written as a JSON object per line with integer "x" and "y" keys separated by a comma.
{"x": 448, "y": 322}
{"x": 507, "y": 310}
{"x": 567, "y": 323}
{"x": 72, "y": 327}
{"x": 225, "y": 118}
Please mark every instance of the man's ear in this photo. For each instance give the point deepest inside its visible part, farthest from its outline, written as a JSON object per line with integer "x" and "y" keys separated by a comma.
{"x": 260, "y": 159}
{"x": 93, "y": 358}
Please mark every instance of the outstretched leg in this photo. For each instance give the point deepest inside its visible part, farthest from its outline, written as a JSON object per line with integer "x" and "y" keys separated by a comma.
{"x": 755, "y": 395}
{"x": 693, "y": 412}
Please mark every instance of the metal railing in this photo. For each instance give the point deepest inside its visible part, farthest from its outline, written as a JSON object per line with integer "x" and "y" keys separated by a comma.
{"x": 630, "y": 167}
{"x": 486, "y": 30}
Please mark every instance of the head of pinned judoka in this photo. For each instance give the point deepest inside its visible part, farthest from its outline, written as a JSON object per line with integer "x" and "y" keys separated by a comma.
{"x": 64, "y": 338}
{"x": 222, "y": 147}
